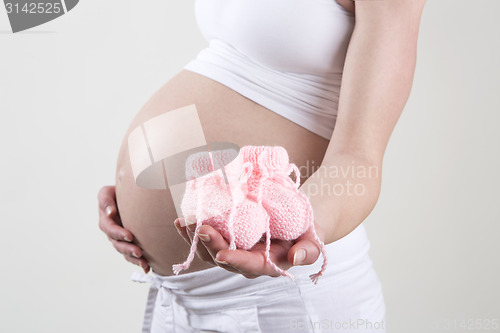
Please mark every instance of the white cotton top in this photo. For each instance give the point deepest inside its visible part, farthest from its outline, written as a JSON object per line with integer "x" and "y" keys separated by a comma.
{"x": 286, "y": 55}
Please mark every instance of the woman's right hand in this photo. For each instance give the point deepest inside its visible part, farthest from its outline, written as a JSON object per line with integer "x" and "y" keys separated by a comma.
{"x": 110, "y": 224}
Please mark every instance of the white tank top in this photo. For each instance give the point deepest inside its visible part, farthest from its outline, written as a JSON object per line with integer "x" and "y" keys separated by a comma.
{"x": 287, "y": 55}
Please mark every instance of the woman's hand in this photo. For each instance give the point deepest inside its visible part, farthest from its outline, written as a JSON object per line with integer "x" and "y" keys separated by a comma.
{"x": 251, "y": 263}
{"x": 110, "y": 224}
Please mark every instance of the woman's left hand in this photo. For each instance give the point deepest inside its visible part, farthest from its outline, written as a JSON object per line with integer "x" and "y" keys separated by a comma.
{"x": 252, "y": 263}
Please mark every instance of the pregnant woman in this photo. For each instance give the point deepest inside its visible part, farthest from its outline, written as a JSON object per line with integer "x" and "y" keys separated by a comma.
{"x": 272, "y": 76}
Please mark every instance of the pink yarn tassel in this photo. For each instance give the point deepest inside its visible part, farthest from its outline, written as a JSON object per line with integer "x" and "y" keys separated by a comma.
{"x": 199, "y": 219}
{"x": 265, "y": 177}
{"x": 268, "y": 258}
{"x": 315, "y": 277}
{"x": 241, "y": 181}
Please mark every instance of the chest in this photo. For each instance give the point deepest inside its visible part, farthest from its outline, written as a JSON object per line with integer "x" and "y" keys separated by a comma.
{"x": 302, "y": 36}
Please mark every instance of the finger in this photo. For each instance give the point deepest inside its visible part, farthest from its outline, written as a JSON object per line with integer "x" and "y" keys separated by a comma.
{"x": 107, "y": 200}
{"x": 109, "y": 219}
{"x": 254, "y": 262}
{"x": 203, "y": 240}
{"x": 181, "y": 229}
{"x": 305, "y": 251}
{"x": 212, "y": 244}
{"x": 213, "y": 240}
{"x": 139, "y": 262}
{"x": 113, "y": 230}
{"x": 127, "y": 248}
{"x": 246, "y": 262}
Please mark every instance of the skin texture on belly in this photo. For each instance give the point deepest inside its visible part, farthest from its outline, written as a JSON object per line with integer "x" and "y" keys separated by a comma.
{"x": 226, "y": 116}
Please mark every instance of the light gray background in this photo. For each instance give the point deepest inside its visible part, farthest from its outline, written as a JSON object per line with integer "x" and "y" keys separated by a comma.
{"x": 69, "y": 89}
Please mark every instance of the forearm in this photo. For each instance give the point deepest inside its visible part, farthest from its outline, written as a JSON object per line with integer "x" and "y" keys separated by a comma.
{"x": 377, "y": 80}
{"x": 342, "y": 194}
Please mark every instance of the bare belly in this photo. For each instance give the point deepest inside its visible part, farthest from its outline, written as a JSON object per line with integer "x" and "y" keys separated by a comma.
{"x": 226, "y": 116}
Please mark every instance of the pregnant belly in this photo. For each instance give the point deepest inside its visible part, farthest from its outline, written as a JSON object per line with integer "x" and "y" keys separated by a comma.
{"x": 226, "y": 116}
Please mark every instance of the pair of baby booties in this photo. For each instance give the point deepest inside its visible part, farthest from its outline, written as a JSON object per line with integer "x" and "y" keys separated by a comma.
{"x": 258, "y": 198}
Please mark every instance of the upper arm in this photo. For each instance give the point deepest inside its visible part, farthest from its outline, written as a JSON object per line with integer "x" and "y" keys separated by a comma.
{"x": 389, "y": 14}
{"x": 378, "y": 75}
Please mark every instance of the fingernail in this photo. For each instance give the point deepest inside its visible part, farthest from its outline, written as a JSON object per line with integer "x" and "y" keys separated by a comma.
{"x": 299, "y": 256}
{"x": 221, "y": 261}
{"x": 109, "y": 210}
{"x": 135, "y": 255}
{"x": 125, "y": 238}
{"x": 204, "y": 238}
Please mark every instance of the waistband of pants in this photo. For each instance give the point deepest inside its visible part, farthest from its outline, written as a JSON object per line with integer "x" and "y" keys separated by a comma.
{"x": 343, "y": 254}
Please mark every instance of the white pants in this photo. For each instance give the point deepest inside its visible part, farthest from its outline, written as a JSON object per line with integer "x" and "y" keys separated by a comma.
{"x": 347, "y": 298}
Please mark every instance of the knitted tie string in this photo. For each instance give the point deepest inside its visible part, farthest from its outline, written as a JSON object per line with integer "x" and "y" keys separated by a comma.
{"x": 245, "y": 174}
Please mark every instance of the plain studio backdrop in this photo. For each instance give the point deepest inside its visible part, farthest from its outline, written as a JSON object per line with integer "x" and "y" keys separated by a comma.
{"x": 70, "y": 88}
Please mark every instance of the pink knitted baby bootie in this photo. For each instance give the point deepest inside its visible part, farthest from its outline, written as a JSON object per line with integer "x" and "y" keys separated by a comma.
{"x": 289, "y": 209}
{"x": 224, "y": 206}
{"x": 200, "y": 169}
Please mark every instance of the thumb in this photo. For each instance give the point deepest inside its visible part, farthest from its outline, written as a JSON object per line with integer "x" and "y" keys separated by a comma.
{"x": 305, "y": 251}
